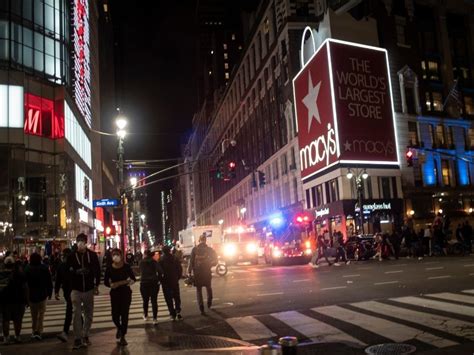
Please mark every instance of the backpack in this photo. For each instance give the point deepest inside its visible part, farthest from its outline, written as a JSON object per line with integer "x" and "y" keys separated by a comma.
{"x": 205, "y": 258}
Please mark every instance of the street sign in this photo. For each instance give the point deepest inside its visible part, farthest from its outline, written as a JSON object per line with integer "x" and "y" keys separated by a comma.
{"x": 106, "y": 202}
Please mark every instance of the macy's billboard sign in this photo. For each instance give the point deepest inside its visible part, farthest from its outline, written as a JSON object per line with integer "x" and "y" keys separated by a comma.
{"x": 344, "y": 108}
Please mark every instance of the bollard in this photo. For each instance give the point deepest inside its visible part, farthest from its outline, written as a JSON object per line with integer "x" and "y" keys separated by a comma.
{"x": 270, "y": 349}
{"x": 288, "y": 345}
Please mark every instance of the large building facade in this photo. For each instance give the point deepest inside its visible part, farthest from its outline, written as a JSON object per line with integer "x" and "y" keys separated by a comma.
{"x": 430, "y": 57}
{"x": 49, "y": 94}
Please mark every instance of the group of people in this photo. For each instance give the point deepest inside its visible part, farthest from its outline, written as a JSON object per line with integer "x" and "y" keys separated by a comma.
{"x": 78, "y": 275}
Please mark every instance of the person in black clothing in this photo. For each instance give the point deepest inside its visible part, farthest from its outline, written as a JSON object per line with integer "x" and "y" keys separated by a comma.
{"x": 63, "y": 281}
{"x": 340, "y": 249}
{"x": 14, "y": 298}
{"x": 84, "y": 272}
{"x": 119, "y": 277}
{"x": 172, "y": 272}
{"x": 202, "y": 259}
{"x": 321, "y": 252}
{"x": 467, "y": 233}
{"x": 40, "y": 287}
{"x": 150, "y": 275}
{"x": 130, "y": 258}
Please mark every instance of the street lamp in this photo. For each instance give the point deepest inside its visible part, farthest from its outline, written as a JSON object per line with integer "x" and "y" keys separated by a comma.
{"x": 359, "y": 175}
{"x": 220, "y": 222}
{"x": 121, "y": 123}
{"x": 133, "y": 184}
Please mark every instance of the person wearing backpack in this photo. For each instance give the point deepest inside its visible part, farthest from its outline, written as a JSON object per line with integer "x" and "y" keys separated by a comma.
{"x": 203, "y": 258}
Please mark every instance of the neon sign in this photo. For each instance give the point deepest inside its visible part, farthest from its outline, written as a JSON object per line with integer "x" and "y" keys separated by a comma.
{"x": 43, "y": 117}
{"x": 82, "y": 74}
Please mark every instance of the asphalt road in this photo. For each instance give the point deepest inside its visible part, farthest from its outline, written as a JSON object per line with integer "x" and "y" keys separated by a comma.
{"x": 428, "y": 303}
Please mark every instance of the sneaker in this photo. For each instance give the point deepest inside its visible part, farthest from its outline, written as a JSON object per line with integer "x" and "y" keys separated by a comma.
{"x": 173, "y": 318}
{"x": 337, "y": 264}
{"x": 78, "y": 344}
{"x": 118, "y": 335}
{"x": 201, "y": 308}
{"x": 123, "y": 342}
{"x": 145, "y": 318}
{"x": 179, "y": 316}
{"x": 155, "y": 321}
{"x": 86, "y": 341}
{"x": 315, "y": 266}
{"x": 62, "y": 336}
{"x": 348, "y": 262}
{"x": 420, "y": 258}
{"x": 209, "y": 304}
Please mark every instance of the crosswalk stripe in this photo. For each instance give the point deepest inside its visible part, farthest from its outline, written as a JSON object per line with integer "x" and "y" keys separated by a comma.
{"x": 315, "y": 329}
{"x": 448, "y": 296}
{"x": 468, "y": 291}
{"x": 437, "y": 305}
{"x": 250, "y": 328}
{"x": 444, "y": 324}
{"x": 391, "y": 330}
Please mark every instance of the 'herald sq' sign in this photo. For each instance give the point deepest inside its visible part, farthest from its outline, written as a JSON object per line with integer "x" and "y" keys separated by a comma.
{"x": 344, "y": 108}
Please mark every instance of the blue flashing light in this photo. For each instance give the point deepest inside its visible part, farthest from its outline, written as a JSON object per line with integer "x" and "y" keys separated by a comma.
{"x": 463, "y": 172}
{"x": 276, "y": 222}
{"x": 429, "y": 171}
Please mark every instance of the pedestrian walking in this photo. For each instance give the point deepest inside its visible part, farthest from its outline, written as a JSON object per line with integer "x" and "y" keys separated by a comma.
{"x": 322, "y": 246}
{"x": 40, "y": 288}
{"x": 63, "y": 281}
{"x": 427, "y": 242}
{"x": 119, "y": 277}
{"x": 84, "y": 271}
{"x": 378, "y": 246}
{"x": 13, "y": 299}
{"x": 150, "y": 276}
{"x": 203, "y": 258}
{"x": 130, "y": 258}
{"x": 172, "y": 272}
{"x": 467, "y": 233}
{"x": 340, "y": 249}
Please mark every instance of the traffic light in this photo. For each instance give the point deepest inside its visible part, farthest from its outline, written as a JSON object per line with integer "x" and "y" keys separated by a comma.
{"x": 261, "y": 178}
{"x": 220, "y": 170}
{"x": 231, "y": 169}
{"x": 409, "y": 157}
{"x": 110, "y": 230}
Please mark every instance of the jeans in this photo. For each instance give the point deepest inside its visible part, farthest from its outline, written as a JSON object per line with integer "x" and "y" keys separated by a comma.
{"x": 68, "y": 317}
{"x": 82, "y": 302}
{"x": 37, "y": 316}
{"x": 321, "y": 252}
{"x": 200, "y": 299}
{"x": 149, "y": 291}
{"x": 341, "y": 253}
{"x": 173, "y": 299}
{"x": 120, "y": 300}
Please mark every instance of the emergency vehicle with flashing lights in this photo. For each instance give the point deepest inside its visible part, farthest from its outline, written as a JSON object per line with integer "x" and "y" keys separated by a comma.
{"x": 287, "y": 239}
{"x": 239, "y": 244}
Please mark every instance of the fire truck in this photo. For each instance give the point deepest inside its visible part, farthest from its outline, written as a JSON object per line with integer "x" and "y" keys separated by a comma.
{"x": 287, "y": 239}
{"x": 240, "y": 244}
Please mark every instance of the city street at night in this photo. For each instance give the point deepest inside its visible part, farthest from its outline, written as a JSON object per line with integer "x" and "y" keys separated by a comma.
{"x": 425, "y": 303}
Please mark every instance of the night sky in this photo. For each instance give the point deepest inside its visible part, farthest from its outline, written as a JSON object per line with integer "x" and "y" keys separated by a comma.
{"x": 155, "y": 80}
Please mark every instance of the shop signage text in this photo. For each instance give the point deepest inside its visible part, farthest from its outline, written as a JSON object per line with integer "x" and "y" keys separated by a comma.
{"x": 322, "y": 212}
{"x": 377, "y": 206}
{"x": 106, "y": 202}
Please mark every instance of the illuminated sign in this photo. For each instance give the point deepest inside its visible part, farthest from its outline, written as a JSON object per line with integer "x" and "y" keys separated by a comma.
{"x": 83, "y": 188}
{"x": 11, "y": 106}
{"x": 322, "y": 212}
{"x": 82, "y": 74}
{"x": 43, "y": 117}
{"x": 344, "y": 109}
{"x": 106, "y": 202}
{"x": 83, "y": 215}
{"x": 98, "y": 225}
{"x": 377, "y": 206}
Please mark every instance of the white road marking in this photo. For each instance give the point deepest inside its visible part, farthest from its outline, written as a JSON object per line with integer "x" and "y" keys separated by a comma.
{"x": 469, "y": 265}
{"x": 397, "y": 265}
{"x": 394, "y": 272}
{"x": 438, "y": 305}
{"x": 432, "y": 262}
{"x": 471, "y": 274}
{"x": 439, "y": 277}
{"x": 434, "y": 268}
{"x": 391, "y": 330}
{"x": 302, "y": 280}
{"x": 250, "y": 328}
{"x": 444, "y": 324}
{"x": 314, "y": 329}
{"x": 364, "y": 268}
{"x": 332, "y": 288}
{"x": 385, "y": 283}
{"x": 468, "y": 291}
{"x": 269, "y": 294}
{"x": 355, "y": 275}
{"x": 448, "y": 296}
{"x": 251, "y": 285}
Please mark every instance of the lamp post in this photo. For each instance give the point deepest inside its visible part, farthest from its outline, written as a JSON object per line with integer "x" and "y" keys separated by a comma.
{"x": 360, "y": 175}
{"x": 121, "y": 123}
{"x": 133, "y": 184}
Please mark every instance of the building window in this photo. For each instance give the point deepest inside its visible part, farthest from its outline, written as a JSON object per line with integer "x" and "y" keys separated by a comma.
{"x": 450, "y": 138}
{"x": 470, "y": 138}
{"x": 308, "y": 200}
{"x": 313, "y": 196}
{"x": 412, "y": 133}
{"x": 275, "y": 170}
{"x": 319, "y": 195}
{"x": 227, "y": 75}
{"x": 400, "y": 24}
{"x": 440, "y": 141}
{"x": 226, "y": 65}
{"x": 385, "y": 188}
{"x": 225, "y": 46}
{"x": 394, "y": 187}
{"x": 233, "y": 36}
{"x": 430, "y": 70}
{"x": 284, "y": 164}
{"x": 468, "y": 105}
{"x": 334, "y": 190}
{"x": 434, "y": 101}
{"x": 226, "y": 56}
{"x": 368, "y": 188}
{"x": 445, "y": 172}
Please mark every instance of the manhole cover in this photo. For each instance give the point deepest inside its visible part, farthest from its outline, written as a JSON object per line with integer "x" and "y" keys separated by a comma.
{"x": 390, "y": 349}
{"x": 183, "y": 342}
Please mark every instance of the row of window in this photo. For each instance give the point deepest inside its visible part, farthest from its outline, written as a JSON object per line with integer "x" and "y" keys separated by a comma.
{"x": 441, "y": 136}
{"x": 76, "y": 136}
{"x": 434, "y": 102}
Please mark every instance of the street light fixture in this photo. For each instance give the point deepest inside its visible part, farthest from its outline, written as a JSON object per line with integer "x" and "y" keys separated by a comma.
{"x": 220, "y": 222}
{"x": 133, "y": 182}
{"x": 359, "y": 176}
{"x": 121, "y": 123}
{"x": 243, "y": 210}
{"x": 142, "y": 216}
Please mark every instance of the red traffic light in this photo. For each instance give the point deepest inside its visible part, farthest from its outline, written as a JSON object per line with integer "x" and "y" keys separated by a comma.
{"x": 108, "y": 230}
{"x": 232, "y": 164}
{"x": 409, "y": 154}
{"x": 299, "y": 219}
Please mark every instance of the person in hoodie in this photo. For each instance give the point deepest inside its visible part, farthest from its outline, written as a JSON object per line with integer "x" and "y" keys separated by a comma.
{"x": 14, "y": 298}
{"x": 84, "y": 272}
{"x": 172, "y": 272}
{"x": 40, "y": 287}
{"x": 63, "y": 280}
{"x": 150, "y": 275}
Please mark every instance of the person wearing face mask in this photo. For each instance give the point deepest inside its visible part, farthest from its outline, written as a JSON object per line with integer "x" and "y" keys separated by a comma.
{"x": 119, "y": 277}
{"x": 84, "y": 272}
{"x": 63, "y": 281}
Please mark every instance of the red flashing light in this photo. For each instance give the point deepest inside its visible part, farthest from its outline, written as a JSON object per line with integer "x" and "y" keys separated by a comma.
{"x": 409, "y": 154}
{"x": 232, "y": 164}
{"x": 299, "y": 219}
{"x": 108, "y": 230}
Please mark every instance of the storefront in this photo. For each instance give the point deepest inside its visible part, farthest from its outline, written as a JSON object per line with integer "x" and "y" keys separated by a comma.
{"x": 379, "y": 216}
